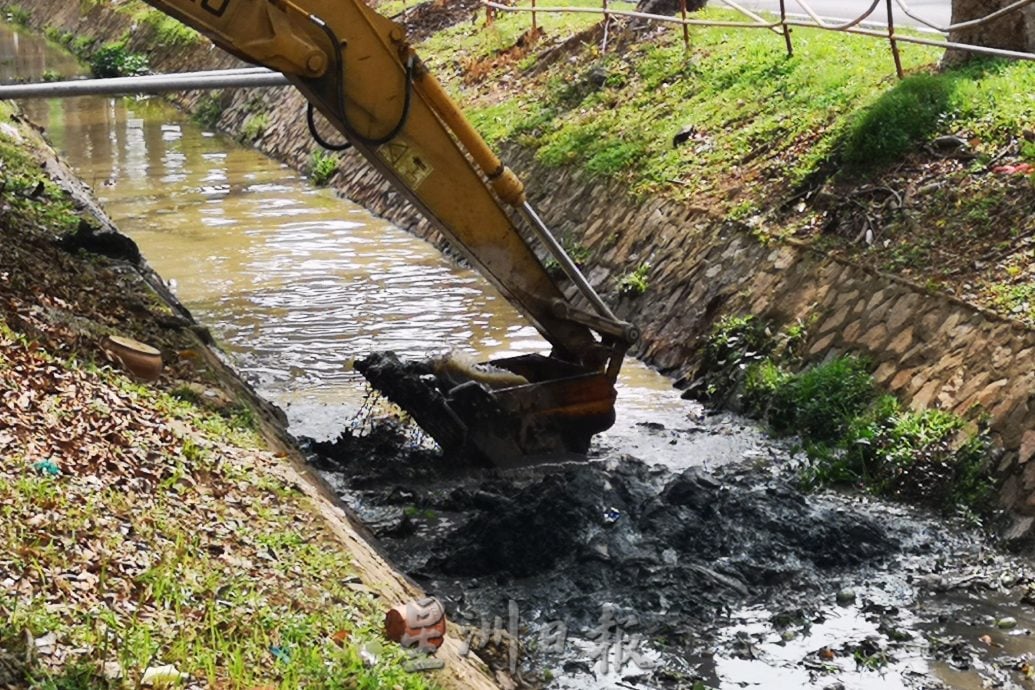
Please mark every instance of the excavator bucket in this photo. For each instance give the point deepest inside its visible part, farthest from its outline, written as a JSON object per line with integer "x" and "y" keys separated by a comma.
{"x": 506, "y": 413}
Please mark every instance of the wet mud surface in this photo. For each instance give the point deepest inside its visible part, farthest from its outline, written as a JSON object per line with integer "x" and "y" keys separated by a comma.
{"x": 730, "y": 577}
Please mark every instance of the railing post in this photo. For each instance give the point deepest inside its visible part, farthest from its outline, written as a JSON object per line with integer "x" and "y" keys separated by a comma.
{"x": 686, "y": 27}
{"x": 607, "y": 24}
{"x": 535, "y": 24}
{"x": 786, "y": 29}
{"x": 894, "y": 43}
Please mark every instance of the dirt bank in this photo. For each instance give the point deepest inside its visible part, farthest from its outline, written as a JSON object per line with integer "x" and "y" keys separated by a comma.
{"x": 163, "y": 523}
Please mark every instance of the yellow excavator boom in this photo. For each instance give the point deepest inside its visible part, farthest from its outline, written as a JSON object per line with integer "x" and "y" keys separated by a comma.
{"x": 357, "y": 70}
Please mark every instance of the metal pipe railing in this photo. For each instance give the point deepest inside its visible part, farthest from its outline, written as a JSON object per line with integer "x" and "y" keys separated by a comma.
{"x": 148, "y": 84}
{"x": 633, "y": 15}
{"x": 901, "y": 38}
{"x": 785, "y": 21}
{"x": 837, "y": 27}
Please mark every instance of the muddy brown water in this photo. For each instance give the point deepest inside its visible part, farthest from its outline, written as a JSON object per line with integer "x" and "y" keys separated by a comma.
{"x": 683, "y": 537}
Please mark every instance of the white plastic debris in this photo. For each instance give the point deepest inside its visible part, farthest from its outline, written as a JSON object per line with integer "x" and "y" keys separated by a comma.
{"x": 163, "y": 676}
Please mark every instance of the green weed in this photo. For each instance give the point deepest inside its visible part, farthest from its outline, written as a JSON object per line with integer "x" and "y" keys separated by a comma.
{"x": 851, "y": 433}
{"x": 413, "y": 512}
{"x": 254, "y": 127}
{"x": 115, "y": 60}
{"x": 82, "y": 45}
{"x": 18, "y": 15}
{"x": 168, "y": 32}
{"x": 209, "y": 109}
{"x": 577, "y": 252}
{"x": 322, "y": 167}
{"x": 1017, "y": 299}
{"x": 1028, "y": 151}
{"x": 732, "y": 346}
{"x": 635, "y": 284}
{"x": 59, "y": 36}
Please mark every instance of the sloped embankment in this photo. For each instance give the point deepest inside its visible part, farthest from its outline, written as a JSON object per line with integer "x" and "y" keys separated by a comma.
{"x": 157, "y": 530}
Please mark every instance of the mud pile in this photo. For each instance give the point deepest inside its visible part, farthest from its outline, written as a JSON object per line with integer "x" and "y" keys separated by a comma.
{"x": 562, "y": 539}
{"x": 730, "y": 578}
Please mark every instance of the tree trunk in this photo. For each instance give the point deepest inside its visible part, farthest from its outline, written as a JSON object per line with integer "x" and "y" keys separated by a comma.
{"x": 1012, "y": 31}
{"x": 668, "y": 6}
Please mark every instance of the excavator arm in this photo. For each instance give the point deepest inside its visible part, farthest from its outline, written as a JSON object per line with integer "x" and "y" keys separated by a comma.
{"x": 357, "y": 71}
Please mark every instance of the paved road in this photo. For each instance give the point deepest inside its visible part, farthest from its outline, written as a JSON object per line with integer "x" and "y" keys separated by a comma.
{"x": 935, "y": 11}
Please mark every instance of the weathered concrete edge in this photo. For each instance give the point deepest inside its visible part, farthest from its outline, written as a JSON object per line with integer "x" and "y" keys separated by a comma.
{"x": 930, "y": 349}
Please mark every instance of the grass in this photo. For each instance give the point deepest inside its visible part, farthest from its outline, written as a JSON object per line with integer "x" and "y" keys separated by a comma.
{"x": 985, "y": 97}
{"x": 757, "y": 127}
{"x": 168, "y": 32}
{"x": 466, "y": 43}
{"x": 899, "y": 120}
{"x": 30, "y": 196}
{"x": 390, "y": 8}
{"x": 737, "y": 89}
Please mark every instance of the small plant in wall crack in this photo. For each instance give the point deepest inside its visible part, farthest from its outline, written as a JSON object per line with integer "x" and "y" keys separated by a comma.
{"x": 635, "y": 284}
{"x": 209, "y": 109}
{"x": 322, "y": 167}
{"x": 254, "y": 127}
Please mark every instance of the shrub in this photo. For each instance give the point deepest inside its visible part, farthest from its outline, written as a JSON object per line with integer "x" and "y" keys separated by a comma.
{"x": 820, "y": 402}
{"x": 732, "y": 346}
{"x": 170, "y": 32}
{"x": 81, "y": 45}
{"x": 578, "y": 253}
{"x": 761, "y": 382}
{"x": 922, "y": 455}
{"x": 58, "y": 35}
{"x": 851, "y": 434}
